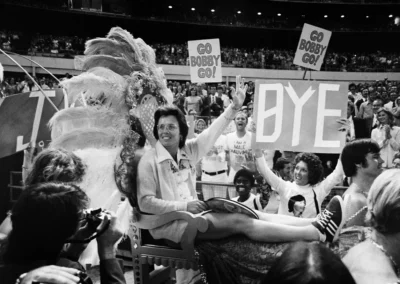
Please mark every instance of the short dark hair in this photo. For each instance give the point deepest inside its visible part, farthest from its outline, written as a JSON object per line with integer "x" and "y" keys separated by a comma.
{"x": 355, "y": 153}
{"x": 293, "y": 200}
{"x": 306, "y": 263}
{"x": 281, "y": 163}
{"x": 56, "y": 165}
{"x": 174, "y": 111}
{"x": 244, "y": 173}
{"x": 44, "y": 217}
{"x": 314, "y": 165}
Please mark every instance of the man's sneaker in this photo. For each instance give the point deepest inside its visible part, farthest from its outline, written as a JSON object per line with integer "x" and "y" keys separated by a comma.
{"x": 330, "y": 221}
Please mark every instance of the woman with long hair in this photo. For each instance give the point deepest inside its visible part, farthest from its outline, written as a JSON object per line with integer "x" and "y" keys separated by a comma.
{"x": 307, "y": 174}
{"x": 387, "y": 135}
{"x": 193, "y": 102}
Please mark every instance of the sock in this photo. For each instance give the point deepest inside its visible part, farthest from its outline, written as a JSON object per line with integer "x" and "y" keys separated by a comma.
{"x": 322, "y": 237}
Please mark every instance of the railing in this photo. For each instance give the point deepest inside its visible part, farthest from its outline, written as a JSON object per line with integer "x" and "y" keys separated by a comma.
{"x": 254, "y": 64}
{"x": 228, "y": 190}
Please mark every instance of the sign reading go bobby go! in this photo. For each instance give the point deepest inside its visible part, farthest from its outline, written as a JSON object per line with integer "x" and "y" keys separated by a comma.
{"x": 312, "y": 47}
{"x": 205, "y": 61}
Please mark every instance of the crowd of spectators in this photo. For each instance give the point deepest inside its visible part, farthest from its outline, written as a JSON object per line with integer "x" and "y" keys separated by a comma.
{"x": 20, "y": 84}
{"x": 265, "y": 58}
{"x": 41, "y": 44}
{"x": 177, "y": 54}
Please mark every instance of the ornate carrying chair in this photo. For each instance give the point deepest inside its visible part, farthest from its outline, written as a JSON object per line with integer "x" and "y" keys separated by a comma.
{"x": 147, "y": 251}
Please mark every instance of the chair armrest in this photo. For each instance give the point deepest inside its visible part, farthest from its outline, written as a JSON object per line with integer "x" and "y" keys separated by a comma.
{"x": 154, "y": 221}
{"x": 196, "y": 223}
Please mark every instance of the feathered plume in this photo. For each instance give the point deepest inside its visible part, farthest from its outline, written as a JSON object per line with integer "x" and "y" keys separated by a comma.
{"x": 148, "y": 54}
{"x": 111, "y": 47}
{"x": 68, "y": 120}
{"x": 117, "y": 64}
{"x": 124, "y": 36}
{"x": 88, "y": 138}
{"x": 1, "y": 73}
{"x": 97, "y": 90}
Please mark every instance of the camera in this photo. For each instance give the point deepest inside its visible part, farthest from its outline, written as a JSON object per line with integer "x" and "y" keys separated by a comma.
{"x": 84, "y": 278}
{"x": 94, "y": 216}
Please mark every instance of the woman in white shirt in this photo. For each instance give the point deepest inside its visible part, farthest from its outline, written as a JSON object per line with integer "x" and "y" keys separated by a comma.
{"x": 387, "y": 136}
{"x": 308, "y": 173}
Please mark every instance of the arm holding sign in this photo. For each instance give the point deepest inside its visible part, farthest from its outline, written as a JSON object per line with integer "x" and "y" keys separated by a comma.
{"x": 203, "y": 143}
{"x": 333, "y": 179}
{"x": 274, "y": 181}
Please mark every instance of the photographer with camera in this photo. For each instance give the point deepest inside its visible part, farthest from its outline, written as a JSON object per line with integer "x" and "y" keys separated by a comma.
{"x": 45, "y": 218}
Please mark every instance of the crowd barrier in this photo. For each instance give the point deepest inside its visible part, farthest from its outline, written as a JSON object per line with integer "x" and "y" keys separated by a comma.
{"x": 206, "y": 190}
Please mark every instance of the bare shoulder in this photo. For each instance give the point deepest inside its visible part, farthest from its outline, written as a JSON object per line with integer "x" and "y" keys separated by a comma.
{"x": 367, "y": 265}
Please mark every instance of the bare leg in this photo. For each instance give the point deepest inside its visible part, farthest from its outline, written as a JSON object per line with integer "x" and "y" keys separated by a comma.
{"x": 284, "y": 219}
{"x": 224, "y": 225}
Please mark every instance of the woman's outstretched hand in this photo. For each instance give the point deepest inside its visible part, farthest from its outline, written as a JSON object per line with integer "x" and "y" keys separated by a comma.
{"x": 345, "y": 124}
{"x": 238, "y": 94}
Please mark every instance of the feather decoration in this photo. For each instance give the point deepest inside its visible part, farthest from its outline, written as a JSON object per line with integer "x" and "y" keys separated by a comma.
{"x": 158, "y": 78}
{"x": 89, "y": 138}
{"x": 117, "y": 64}
{"x": 70, "y": 119}
{"x": 1, "y": 73}
{"x": 117, "y": 101}
{"x": 148, "y": 54}
{"x": 96, "y": 89}
{"x": 124, "y": 36}
{"x": 108, "y": 74}
{"x": 111, "y": 47}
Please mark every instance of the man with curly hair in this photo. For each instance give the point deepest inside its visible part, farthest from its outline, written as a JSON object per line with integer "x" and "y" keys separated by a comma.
{"x": 307, "y": 175}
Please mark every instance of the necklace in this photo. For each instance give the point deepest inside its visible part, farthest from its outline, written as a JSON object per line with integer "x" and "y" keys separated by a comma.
{"x": 395, "y": 266}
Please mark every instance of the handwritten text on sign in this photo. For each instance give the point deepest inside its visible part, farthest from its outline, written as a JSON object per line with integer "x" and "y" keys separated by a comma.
{"x": 300, "y": 115}
{"x": 205, "y": 61}
{"x": 312, "y": 47}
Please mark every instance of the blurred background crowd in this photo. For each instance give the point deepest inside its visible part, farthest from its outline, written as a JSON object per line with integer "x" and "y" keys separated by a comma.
{"x": 177, "y": 54}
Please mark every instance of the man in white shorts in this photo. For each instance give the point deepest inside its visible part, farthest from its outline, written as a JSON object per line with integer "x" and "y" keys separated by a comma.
{"x": 215, "y": 169}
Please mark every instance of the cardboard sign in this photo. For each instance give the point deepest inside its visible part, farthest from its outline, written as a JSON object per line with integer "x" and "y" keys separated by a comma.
{"x": 300, "y": 116}
{"x": 312, "y": 47}
{"x": 205, "y": 61}
{"x": 24, "y": 118}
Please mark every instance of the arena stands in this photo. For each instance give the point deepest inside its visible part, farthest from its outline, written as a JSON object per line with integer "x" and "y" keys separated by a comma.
{"x": 177, "y": 54}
